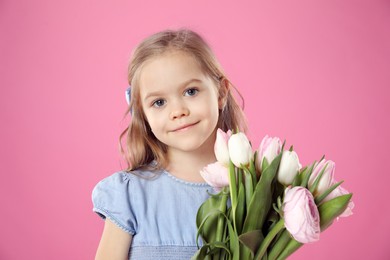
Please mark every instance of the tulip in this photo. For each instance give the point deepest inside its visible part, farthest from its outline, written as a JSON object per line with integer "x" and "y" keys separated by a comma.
{"x": 216, "y": 175}
{"x": 327, "y": 178}
{"x": 301, "y": 216}
{"x": 269, "y": 148}
{"x": 339, "y": 191}
{"x": 240, "y": 150}
{"x": 221, "y": 147}
{"x": 288, "y": 168}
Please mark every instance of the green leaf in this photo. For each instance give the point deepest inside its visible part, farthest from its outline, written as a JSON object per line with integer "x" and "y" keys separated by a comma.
{"x": 262, "y": 198}
{"x": 209, "y": 236}
{"x": 280, "y": 244}
{"x": 222, "y": 218}
{"x": 321, "y": 197}
{"x": 233, "y": 242}
{"x": 268, "y": 239}
{"x": 201, "y": 254}
{"x": 303, "y": 170}
{"x": 306, "y": 175}
{"x": 252, "y": 169}
{"x": 208, "y": 230}
{"x": 245, "y": 253}
{"x": 240, "y": 209}
{"x": 317, "y": 180}
{"x": 248, "y": 186}
{"x": 290, "y": 248}
{"x": 264, "y": 164}
{"x": 252, "y": 240}
{"x": 331, "y": 209}
{"x": 215, "y": 249}
{"x": 297, "y": 180}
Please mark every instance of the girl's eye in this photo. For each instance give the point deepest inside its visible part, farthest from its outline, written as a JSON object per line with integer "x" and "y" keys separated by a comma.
{"x": 158, "y": 103}
{"x": 191, "y": 92}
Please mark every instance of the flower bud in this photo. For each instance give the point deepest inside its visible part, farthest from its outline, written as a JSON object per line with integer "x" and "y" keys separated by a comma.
{"x": 301, "y": 216}
{"x": 269, "y": 148}
{"x": 288, "y": 168}
{"x": 221, "y": 147}
{"x": 240, "y": 149}
{"x": 327, "y": 178}
{"x": 216, "y": 175}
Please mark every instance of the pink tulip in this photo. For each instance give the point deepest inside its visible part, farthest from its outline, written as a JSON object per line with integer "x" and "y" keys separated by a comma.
{"x": 221, "y": 147}
{"x": 327, "y": 178}
{"x": 301, "y": 215}
{"x": 269, "y": 148}
{"x": 339, "y": 191}
{"x": 216, "y": 175}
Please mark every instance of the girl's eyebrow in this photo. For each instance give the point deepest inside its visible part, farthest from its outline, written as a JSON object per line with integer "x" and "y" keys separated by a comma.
{"x": 183, "y": 85}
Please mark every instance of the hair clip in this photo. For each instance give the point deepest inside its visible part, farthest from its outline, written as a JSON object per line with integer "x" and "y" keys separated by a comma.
{"x": 128, "y": 95}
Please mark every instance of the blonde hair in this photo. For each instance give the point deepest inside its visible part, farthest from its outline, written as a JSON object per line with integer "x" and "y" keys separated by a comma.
{"x": 141, "y": 146}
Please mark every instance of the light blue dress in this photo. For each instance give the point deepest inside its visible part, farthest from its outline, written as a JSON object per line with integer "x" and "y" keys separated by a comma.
{"x": 160, "y": 212}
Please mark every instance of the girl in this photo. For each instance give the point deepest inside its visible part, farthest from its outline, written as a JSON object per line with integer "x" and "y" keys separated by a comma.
{"x": 179, "y": 97}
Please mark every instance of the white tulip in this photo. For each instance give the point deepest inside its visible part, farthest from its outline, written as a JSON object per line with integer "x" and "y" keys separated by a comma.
{"x": 288, "y": 168}
{"x": 240, "y": 149}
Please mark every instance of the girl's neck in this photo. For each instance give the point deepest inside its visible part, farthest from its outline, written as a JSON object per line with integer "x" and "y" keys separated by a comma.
{"x": 187, "y": 165}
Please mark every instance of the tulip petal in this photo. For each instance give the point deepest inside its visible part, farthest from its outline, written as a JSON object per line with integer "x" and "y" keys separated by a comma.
{"x": 216, "y": 175}
{"x": 221, "y": 147}
{"x": 301, "y": 215}
{"x": 269, "y": 148}
{"x": 288, "y": 168}
{"x": 240, "y": 150}
{"x": 325, "y": 170}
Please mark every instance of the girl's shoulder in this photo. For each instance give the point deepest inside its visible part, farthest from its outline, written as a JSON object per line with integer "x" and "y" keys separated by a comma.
{"x": 123, "y": 180}
{"x": 115, "y": 197}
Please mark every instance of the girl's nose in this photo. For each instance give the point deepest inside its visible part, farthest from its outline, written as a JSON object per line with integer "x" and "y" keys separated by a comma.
{"x": 179, "y": 111}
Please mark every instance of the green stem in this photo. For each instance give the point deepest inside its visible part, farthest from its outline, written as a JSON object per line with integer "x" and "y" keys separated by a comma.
{"x": 233, "y": 191}
{"x": 252, "y": 170}
{"x": 248, "y": 188}
{"x": 221, "y": 223}
{"x": 279, "y": 246}
{"x": 268, "y": 239}
{"x": 290, "y": 248}
{"x": 221, "y": 218}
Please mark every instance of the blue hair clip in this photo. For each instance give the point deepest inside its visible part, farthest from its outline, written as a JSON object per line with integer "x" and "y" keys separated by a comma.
{"x": 128, "y": 95}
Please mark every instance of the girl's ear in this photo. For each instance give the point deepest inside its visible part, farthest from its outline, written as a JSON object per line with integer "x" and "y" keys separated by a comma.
{"x": 224, "y": 86}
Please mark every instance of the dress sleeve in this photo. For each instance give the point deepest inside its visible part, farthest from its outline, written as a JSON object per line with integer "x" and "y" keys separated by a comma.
{"x": 111, "y": 199}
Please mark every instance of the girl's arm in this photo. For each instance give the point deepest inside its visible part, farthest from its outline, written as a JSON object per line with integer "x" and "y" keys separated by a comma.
{"x": 114, "y": 244}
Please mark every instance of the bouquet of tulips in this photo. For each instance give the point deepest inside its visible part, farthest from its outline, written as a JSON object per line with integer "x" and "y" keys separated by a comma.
{"x": 266, "y": 205}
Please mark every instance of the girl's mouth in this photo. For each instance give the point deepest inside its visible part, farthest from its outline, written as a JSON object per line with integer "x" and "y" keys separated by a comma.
{"x": 184, "y": 127}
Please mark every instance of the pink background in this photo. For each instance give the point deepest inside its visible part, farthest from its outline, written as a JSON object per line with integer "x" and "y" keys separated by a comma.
{"x": 315, "y": 73}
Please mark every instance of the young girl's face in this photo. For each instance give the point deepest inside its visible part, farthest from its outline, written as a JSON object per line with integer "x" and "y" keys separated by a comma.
{"x": 179, "y": 101}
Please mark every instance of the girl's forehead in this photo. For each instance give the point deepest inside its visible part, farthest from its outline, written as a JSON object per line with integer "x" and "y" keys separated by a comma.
{"x": 169, "y": 69}
{"x": 171, "y": 59}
